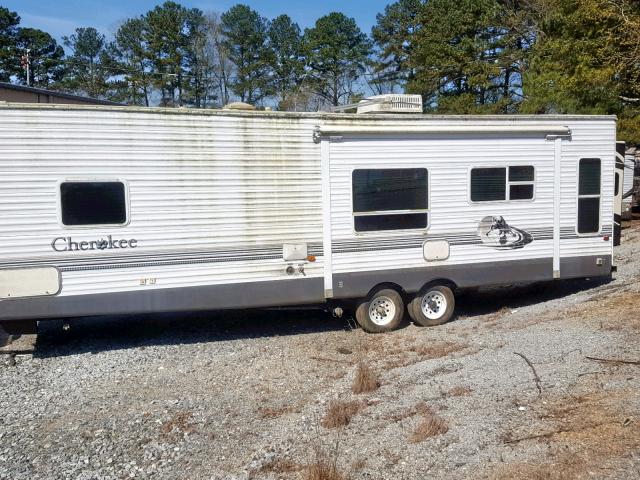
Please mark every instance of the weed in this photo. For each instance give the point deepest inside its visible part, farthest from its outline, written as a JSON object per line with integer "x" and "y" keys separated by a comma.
{"x": 430, "y": 426}
{"x": 365, "y": 380}
{"x": 340, "y": 413}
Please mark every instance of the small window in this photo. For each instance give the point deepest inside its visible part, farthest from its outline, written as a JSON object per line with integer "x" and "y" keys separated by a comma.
{"x": 390, "y": 199}
{"x": 93, "y": 203}
{"x": 617, "y": 186}
{"x": 589, "y": 195}
{"x": 493, "y": 184}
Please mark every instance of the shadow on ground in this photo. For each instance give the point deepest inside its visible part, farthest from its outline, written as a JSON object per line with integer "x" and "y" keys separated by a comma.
{"x": 97, "y": 334}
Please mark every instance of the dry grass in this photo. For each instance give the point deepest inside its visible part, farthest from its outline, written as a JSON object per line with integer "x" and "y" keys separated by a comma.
{"x": 589, "y": 435}
{"x": 430, "y": 426}
{"x": 460, "y": 391}
{"x": 323, "y": 469}
{"x": 324, "y": 466}
{"x": 365, "y": 380}
{"x": 339, "y": 413}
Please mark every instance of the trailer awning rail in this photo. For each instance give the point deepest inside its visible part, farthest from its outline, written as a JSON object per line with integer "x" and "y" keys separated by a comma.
{"x": 543, "y": 130}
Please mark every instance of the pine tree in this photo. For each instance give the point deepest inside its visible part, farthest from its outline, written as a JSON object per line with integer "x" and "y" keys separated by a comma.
{"x": 46, "y": 65}
{"x": 84, "y": 73}
{"x": 337, "y": 53}
{"x": 393, "y": 36}
{"x": 287, "y": 56}
{"x": 127, "y": 59}
{"x": 9, "y": 56}
{"x": 245, "y": 42}
{"x": 462, "y": 57}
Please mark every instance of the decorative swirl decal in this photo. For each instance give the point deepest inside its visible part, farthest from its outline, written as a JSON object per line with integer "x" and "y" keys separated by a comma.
{"x": 495, "y": 232}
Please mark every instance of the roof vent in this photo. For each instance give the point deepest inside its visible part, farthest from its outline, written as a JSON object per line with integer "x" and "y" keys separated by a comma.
{"x": 391, "y": 103}
{"x": 239, "y": 106}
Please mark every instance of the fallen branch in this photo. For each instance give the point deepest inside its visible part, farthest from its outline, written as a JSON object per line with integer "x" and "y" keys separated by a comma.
{"x": 558, "y": 432}
{"x": 533, "y": 369}
{"x": 614, "y": 360}
{"x": 325, "y": 359}
{"x": 591, "y": 373}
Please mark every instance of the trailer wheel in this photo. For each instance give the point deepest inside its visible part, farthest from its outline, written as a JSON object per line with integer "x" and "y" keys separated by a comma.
{"x": 434, "y": 305}
{"x": 382, "y": 312}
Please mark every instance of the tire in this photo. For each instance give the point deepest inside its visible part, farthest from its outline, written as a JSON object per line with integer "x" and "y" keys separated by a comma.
{"x": 438, "y": 313}
{"x": 382, "y": 312}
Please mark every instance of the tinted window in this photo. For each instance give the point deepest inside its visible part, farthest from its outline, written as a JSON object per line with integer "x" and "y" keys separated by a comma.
{"x": 589, "y": 176}
{"x": 588, "y": 215}
{"x": 521, "y": 174}
{"x": 521, "y": 192}
{"x": 405, "y": 221}
{"x": 589, "y": 195}
{"x": 389, "y": 189}
{"x": 401, "y": 192}
{"x": 488, "y": 184}
{"x": 617, "y": 187}
{"x": 93, "y": 203}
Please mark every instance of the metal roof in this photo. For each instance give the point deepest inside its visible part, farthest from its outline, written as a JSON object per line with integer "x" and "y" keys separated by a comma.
{"x": 54, "y": 93}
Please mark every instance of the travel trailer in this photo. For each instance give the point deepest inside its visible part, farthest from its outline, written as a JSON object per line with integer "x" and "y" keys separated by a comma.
{"x": 118, "y": 210}
{"x": 628, "y": 192}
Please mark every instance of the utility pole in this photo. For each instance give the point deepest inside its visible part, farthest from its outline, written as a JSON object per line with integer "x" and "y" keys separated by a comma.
{"x": 25, "y": 62}
{"x": 28, "y": 68}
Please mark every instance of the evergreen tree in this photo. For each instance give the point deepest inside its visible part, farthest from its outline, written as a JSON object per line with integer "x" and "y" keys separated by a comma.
{"x": 9, "y": 56}
{"x": 127, "y": 59}
{"x": 170, "y": 34}
{"x": 285, "y": 42}
{"x": 245, "y": 42}
{"x": 585, "y": 61}
{"x": 393, "y": 36}
{"x": 337, "y": 53}
{"x": 460, "y": 57}
{"x": 84, "y": 73}
{"x": 46, "y": 65}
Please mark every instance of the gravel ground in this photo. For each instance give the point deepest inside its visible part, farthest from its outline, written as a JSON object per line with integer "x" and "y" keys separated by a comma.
{"x": 269, "y": 395}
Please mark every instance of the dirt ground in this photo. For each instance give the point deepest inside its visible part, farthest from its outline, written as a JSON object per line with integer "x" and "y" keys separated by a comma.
{"x": 537, "y": 382}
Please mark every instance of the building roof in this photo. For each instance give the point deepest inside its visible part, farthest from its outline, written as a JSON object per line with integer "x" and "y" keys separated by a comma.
{"x": 53, "y": 95}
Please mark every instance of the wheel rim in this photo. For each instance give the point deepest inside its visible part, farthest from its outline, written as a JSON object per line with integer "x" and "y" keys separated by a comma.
{"x": 434, "y": 304}
{"x": 382, "y": 310}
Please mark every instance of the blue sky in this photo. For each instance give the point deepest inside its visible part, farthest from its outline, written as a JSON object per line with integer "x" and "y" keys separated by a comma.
{"x": 61, "y": 17}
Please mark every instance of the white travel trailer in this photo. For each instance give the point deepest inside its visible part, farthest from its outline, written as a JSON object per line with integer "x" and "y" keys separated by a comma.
{"x": 114, "y": 210}
{"x": 628, "y": 191}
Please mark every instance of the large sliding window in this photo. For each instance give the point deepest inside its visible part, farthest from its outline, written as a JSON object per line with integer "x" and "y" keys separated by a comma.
{"x": 390, "y": 199}
{"x": 589, "y": 190}
{"x": 496, "y": 184}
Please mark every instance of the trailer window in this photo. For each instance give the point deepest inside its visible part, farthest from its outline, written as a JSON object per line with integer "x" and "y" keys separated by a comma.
{"x": 488, "y": 184}
{"x": 589, "y": 190}
{"x": 390, "y": 199}
{"x": 502, "y": 183}
{"x": 93, "y": 203}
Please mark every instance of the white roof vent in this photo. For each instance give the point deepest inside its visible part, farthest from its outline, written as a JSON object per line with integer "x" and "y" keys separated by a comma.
{"x": 239, "y": 106}
{"x": 391, "y": 103}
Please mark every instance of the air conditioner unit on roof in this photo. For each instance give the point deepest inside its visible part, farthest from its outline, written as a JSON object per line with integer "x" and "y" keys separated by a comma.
{"x": 391, "y": 103}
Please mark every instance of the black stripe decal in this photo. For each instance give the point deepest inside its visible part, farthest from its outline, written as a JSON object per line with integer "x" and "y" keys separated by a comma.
{"x": 196, "y": 257}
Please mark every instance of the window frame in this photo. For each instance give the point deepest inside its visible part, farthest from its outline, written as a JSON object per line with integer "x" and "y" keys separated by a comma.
{"x": 507, "y": 185}
{"x": 578, "y": 197}
{"x": 372, "y": 213}
{"x": 94, "y": 225}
